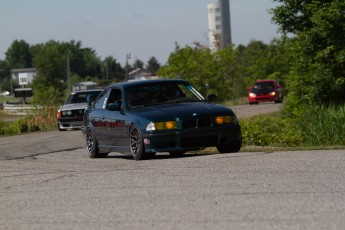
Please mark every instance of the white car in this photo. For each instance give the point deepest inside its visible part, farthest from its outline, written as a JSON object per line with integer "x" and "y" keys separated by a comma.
{"x": 5, "y": 93}
{"x": 70, "y": 114}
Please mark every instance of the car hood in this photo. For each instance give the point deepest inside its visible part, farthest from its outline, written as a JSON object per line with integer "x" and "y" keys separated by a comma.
{"x": 73, "y": 106}
{"x": 181, "y": 111}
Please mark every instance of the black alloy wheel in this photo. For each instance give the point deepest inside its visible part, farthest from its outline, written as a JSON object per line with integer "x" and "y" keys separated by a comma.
{"x": 234, "y": 148}
{"x": 136, "y": 144}
{"x": 92, "y": 146}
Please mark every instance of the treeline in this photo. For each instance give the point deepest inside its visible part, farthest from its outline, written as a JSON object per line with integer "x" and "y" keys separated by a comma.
{"x": 53, "y": 59}
{"x": 227, "y": 72}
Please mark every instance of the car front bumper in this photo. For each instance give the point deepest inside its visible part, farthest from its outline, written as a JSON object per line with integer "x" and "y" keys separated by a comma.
{"x": 192, "y": 139}
{"x": 262, "y": 98}
{"x": 70, "y": 123}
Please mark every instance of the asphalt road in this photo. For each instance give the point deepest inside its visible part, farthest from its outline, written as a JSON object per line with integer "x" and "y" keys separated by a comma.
{"x": 47, "y": 181}
{"x": 246, "y": 111}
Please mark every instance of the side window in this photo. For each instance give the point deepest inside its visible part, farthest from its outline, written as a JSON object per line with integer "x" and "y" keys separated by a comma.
{"x": 115, "y": 97}
{"x": 102, "y": 100}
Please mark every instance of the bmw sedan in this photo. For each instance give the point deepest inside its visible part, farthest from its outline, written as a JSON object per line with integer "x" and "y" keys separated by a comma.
{"x": 141, "y": 118}
{"x": 70, "y": 114}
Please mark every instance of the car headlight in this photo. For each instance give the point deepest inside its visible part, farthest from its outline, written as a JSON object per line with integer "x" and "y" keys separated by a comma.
{"x": 273, "y": 93}
{"x": 252, "y": 95}
{"x": 165, "y": 125}
{"x": 225, "y": 119}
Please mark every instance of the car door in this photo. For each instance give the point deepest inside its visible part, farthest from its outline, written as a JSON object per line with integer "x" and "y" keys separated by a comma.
{"x": 98, "y": 117}
{"x": 114, "y": 119}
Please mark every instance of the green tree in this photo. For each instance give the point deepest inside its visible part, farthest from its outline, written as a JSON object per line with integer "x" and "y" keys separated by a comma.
{"x": 51, "y": 68}
{"x": 5, "y": 76}
{"x": 55, "y": 61}
{"x": 227, "y": 81}
{"x": 138, "y": 64}
{"x": 83, "y": 61}
{"x": 191, "y": 64}
{"x": 258, "y": 60}
{"x": 254, "y": 60}
{"x": 91, "y": 64}
{"x": 18, "y": 55}
{"x": 152, "y": 65}
{"x": 318, "y": 50}
{"x": 113, "y": 69}
{"x": 209, "y": 72}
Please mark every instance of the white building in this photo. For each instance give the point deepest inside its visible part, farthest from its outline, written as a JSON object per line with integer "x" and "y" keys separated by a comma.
{"x": 23, "y": 76}
{"x": 219, "y": 26}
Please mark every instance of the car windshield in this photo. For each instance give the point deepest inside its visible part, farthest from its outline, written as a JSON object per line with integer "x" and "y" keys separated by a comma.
{"x": 264, "y": 85}
{"x": 153, "y": 94}
{"x": 80, "y": 97}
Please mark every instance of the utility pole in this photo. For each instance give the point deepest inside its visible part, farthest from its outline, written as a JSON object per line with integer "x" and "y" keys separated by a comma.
{"x": 106, "y": 71}
{"x": 68, "y": 72}
{"x": 128, "y": 56}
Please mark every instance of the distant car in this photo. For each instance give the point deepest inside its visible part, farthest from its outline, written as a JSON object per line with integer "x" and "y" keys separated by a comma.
{"x": 5, "y": 93}
{"x": 141, "y": 118}
{"x": 265, "y": 90}
{"x": 70, "y": 114}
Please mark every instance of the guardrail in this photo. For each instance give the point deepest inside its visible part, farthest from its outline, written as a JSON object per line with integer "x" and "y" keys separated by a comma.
{"x": 14, "y": 109}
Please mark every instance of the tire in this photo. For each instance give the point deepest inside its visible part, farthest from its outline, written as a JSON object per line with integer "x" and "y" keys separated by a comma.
{"x": 136, "y": 144}
{"x": 234, "y": 148}
{"x": 177, "y": 153}
{"x": 279, "y": 100}
{"x": 92, "y": 145}
{"x": 60, "y": 128}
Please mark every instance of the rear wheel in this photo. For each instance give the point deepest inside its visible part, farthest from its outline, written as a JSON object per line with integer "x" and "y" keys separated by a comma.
{"x": 136, "y": 144}
{"x": 234, "y": 148}
{"x": 92, "y": 145}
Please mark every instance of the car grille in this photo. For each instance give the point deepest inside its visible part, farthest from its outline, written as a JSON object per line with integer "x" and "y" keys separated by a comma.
{"x": 197, "y": 123}
{"x": 73, "y": 113}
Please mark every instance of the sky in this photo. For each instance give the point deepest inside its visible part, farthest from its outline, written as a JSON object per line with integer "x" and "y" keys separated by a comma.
{"x": 142, "y": 28}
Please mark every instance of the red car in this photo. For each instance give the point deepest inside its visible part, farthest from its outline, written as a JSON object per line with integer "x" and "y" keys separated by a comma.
{"x": 265, "y": 90}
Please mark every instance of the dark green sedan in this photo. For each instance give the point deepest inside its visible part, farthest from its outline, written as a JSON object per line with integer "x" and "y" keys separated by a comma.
{"x": 141, "y": 118}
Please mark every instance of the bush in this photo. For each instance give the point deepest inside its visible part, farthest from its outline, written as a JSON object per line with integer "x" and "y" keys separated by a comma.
{"x": 42, "y": 119}
{"x": 324, "y": 125}
{"x": 315, "y": 126}
{"x": 9, "y": 128}
{"x": 270, "y": 130}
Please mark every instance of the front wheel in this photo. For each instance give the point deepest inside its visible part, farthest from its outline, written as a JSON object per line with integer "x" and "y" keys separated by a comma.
{"x": 60, "y": 128}
{"x": 136, "y": 143}
{"x": 92, "y": 145}
{"x": 233, "y": 148}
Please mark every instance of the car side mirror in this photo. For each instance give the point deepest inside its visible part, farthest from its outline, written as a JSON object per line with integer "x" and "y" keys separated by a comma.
{"x": 114, "y": 106}
{"x": 211, "y": 98}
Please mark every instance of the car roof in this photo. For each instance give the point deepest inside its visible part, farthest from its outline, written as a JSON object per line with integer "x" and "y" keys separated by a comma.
{"x": 87, "y": 90}
{"x": 148, "y": 82}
